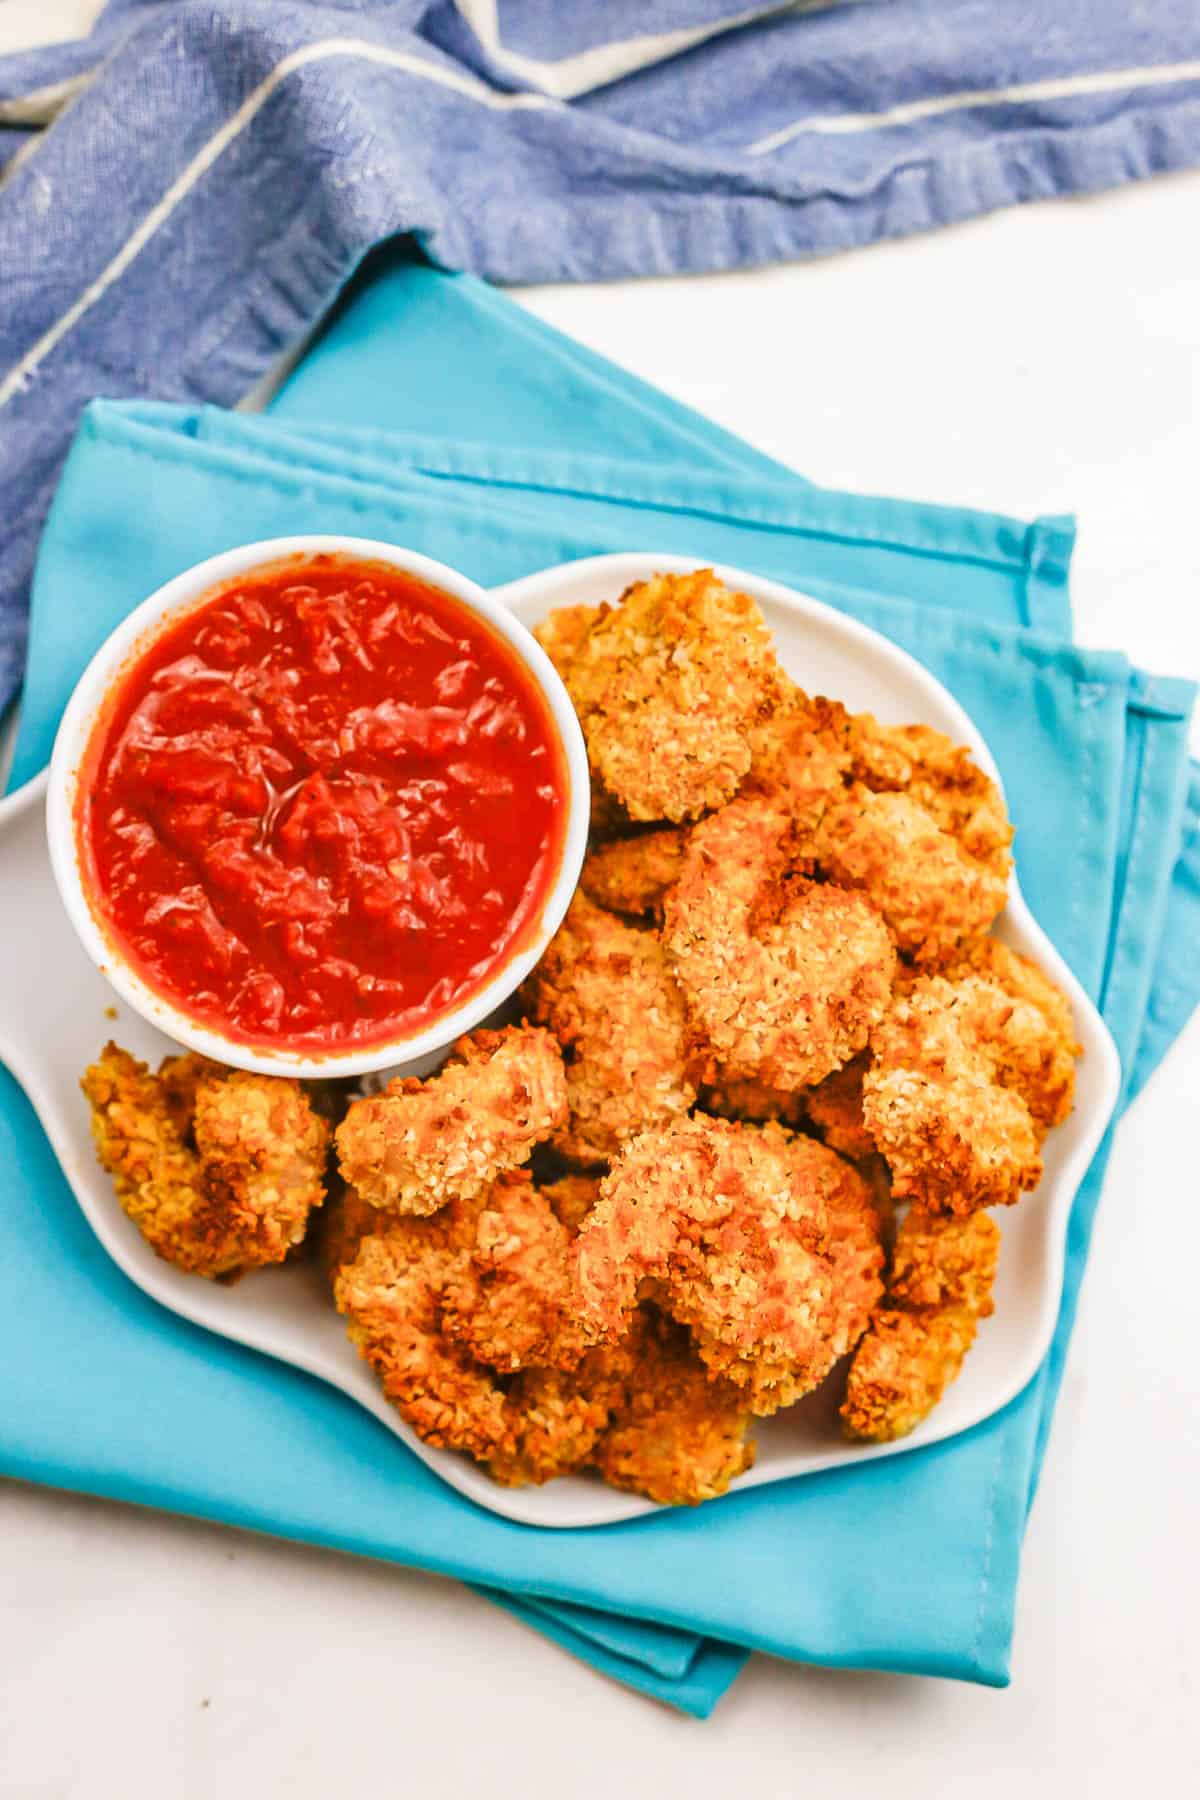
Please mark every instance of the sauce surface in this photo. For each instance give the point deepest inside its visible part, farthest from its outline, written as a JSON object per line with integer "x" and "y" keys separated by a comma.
{"x": 323, "y": 807}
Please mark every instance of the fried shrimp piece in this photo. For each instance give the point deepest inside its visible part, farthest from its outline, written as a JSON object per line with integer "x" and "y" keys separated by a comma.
{"x": 675, "y": 1434}
{"x": 752, "y": 1238}
{"x": 391, "y": 1293}
{"x": 631, "y": 875}
{"x": 562, "y": 632}
{"x": 934, "y": 895}
{"x": 668, "y": 686}
{"x": 783, "y": 977}
{"x": 802, "y": 753}
{"x": 219, "y": 1170}
{"x": 944, "y": 1261}
{"x": 835, "y": 1107}
{"x": 422, "y": 1143}
{"x": 901, "y": 1370}
{"x": 604, "y": 988}
{"x": 940, "y": 1287}
{"x": 1049, "y": 1084}
{"x": 508, "y": 1300}
{"x": 962, "y": 1076}
{"x": 555, "y": 1419}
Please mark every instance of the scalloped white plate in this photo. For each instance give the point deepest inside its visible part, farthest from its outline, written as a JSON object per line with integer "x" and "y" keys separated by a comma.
{"x": 53, "y": 1021}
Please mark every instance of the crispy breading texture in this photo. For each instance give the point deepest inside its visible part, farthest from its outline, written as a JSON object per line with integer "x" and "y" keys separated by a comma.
{"x": 604, "y": 988}
{"x": 668, "y": 686}
{"x": 675, "y": 1434}
{"x": 420, "y": 1144}
{"x": 940, "y": 1286}
{"x": 766, "y": 1246}
{"x": 900, "y": 812}
{"x": 783, "y": 977}
{"x": 901, "y": 1370}
{"x": 631, "y": 875}
{"x": 391, "y": 1294}
{"x": 218, "y": 1169}
{"x": 963, "y": 1077}
{"x": 508, "y": 1300}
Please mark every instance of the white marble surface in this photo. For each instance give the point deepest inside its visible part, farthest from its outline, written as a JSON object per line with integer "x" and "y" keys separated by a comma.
{"x": 1047, "y": 359}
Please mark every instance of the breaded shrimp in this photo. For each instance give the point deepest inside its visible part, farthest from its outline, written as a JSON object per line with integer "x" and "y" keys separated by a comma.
{"x": 1048, "y": 1086}
{"x": 604, "y": 989}
{"x": 562, "y": 631}
{"x": 752, "y": 1238}
{"x": 939, "y": 1288}
{"x": 391, "y": 1294}
{"x": 508, "y": 1301}
{"x": 554, "y": 1419}
{"x": 668, "y": 686}
{"x": 676, "y": 1434}
{"x": 218, "y": 1169}
{"x": 783, "y": 977}
{"x": 933, "y": 894}
{"x": 420, "y": 1144}
{"x": 942, "y": 1261}
{"x": 962, "y": 1074}
{"x": 631, "y": 875}
{"x": 901, "y": 1369}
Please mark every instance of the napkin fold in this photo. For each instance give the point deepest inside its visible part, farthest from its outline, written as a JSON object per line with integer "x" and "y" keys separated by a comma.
{"x": 908, "y": 1564}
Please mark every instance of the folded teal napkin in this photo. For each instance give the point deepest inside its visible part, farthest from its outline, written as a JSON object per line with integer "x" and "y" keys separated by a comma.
{"x": 908, "y": 1564}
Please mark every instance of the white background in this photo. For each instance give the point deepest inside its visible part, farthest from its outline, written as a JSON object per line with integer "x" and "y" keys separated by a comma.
{"x": 1047, "y": 359}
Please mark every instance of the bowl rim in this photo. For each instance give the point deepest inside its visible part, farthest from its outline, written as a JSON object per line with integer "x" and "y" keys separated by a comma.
{"x": 174, "y": 599}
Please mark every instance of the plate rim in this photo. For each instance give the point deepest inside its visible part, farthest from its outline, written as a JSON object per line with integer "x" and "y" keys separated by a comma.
{"x": 611, "y": 1506}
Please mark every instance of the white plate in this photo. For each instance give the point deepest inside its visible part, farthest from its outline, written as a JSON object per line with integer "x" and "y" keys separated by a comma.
{"x": 52, "y": 1023}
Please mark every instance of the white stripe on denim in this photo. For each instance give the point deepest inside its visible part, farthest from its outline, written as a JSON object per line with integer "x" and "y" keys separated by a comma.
{"x": 595, "y": 68}
{"x": 19, "y": 375}
{"x": 1067, "y": 87}
{"x": 40, "y": 105}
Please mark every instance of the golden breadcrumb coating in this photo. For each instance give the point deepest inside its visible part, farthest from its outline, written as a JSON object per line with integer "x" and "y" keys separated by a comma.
{"x": 391, "y": 1294}
{"x": 940, "y": 1260}
{"x": 1049, "y": 1086}
{"x": 940, "y": 1286}
{"x": 604, "y": 988}
{"x": 668, "y": 686}
{"x": 218, "y": 1169}
{"x": 900, "y": 812}
{"x": 933, "y": 894}
{"x": 752, "y": 1238}
{"x": 508, "y": 1301}
{"x": 562, "y": 632}
{"x": 675, "y": 1434}
{"x": 555, "y": 1419}
{"x": 783, "y": 977}
{"x": 420, "y": 1144}
{"x": 901, "y": 1370}
{"x": 631, "y": 875}
{"x": 962, "y": 1078}
{"x": 835, "y": 1107}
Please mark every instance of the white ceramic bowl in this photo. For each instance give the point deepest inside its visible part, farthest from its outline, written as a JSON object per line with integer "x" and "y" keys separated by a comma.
{"x": 414, "y": 1051}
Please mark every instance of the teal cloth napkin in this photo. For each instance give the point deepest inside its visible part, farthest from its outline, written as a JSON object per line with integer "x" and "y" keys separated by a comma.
{"x": 909, "y": 1564}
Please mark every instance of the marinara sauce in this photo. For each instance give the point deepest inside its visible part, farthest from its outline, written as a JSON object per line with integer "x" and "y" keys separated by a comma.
{"x": 323, "y": 806}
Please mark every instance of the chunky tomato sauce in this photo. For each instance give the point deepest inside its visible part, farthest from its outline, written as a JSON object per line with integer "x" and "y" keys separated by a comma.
{"x": 323, "y": 807}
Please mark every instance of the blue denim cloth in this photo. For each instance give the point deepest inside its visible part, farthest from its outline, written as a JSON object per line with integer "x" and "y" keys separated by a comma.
{"x": 223, "y": 166}
{"x": 909, "y": 1564}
